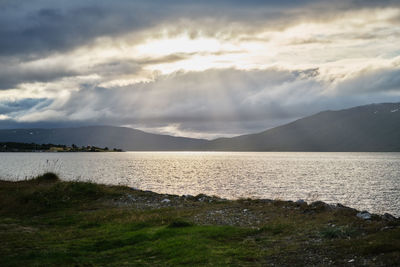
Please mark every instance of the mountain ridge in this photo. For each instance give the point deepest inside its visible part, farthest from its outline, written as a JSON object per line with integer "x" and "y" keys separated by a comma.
{"x": 373, "y": 127}
{"x": 110, "y": 136}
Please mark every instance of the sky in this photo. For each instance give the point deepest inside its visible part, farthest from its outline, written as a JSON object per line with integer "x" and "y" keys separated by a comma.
{"x": 202, "y": 69}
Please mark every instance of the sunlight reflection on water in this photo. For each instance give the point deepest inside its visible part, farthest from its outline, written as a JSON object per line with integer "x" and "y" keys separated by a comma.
{"x": 361, "y": 180}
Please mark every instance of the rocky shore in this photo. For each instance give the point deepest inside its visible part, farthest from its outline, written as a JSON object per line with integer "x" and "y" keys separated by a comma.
{"x": 242, "y": 212}
{"x": 48, "y": 222}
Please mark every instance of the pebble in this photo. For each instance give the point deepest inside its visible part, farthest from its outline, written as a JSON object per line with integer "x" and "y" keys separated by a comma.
{"x": 365, "y": 215}
{"x": 301, "y": 201}
{"x": 388, "y": 217}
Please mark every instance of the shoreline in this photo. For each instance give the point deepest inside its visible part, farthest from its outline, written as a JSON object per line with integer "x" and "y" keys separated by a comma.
{"x": 97, "y": 224}
{"x": 154, "y": 200}
{"x": 179, "y": 200}
{"x": 213, "y": 198}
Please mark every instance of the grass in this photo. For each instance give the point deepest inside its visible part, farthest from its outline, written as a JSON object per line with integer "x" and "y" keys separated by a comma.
{"x": 48, "y": 222}
{"x": 338, "y": 232}
{"x": 47, "y": 177}
{"x": 118, "y": 245}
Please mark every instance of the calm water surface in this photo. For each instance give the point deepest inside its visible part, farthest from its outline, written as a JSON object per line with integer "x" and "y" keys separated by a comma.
{"x": 368, "y": 181}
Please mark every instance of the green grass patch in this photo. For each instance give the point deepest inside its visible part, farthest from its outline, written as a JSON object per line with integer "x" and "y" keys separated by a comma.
{"x": 204, "y": 245}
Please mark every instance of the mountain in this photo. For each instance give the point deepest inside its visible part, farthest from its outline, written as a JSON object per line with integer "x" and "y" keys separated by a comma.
{"x": 374, "y": 127}
{"x": 102, "y": 136}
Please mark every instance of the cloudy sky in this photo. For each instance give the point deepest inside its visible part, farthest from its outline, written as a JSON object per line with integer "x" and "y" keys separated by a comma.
{"x": 193, "y": 68}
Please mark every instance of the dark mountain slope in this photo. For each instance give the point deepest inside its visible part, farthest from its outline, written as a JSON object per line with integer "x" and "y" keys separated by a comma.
{"x": 373, "y": 127}
{"x": 118, "y": 137}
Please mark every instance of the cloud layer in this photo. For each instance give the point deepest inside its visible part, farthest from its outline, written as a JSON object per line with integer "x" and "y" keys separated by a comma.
{"x": 193, "y": 69}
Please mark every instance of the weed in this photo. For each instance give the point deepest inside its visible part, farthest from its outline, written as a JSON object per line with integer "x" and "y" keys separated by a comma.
{"x": 338, "y": 232}
{"x": 47, "y": 177}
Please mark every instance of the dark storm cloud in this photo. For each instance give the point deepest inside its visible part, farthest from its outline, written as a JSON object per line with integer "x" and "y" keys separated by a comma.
{"x": 35, "y": 27}
{"x": 13, "y": 73}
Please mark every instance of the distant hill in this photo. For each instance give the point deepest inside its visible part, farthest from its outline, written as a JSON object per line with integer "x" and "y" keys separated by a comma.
{"x": 102, "y": 136}
{"x": 374, "y": 127}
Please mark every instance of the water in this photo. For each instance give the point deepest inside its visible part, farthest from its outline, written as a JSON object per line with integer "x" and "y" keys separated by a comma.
{"x": 369, "y": 181}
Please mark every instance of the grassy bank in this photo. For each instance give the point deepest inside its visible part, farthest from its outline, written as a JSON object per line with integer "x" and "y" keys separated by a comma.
{"x": 45, "y": 222}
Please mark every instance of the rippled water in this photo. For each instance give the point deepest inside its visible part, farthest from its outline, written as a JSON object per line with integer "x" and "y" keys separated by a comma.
{"x": 368, "y": 181}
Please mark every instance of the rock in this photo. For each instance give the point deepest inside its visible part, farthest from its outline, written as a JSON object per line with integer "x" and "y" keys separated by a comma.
{"x": 338, "y": 205}
{"x": 165, "y": 200}
{"x": 350, "y": 261}
{"x": 388, "y": 217}
{"x": 365, "y": 215}
{"x": 344, "y": 209}
{"x": 301, "y": 202}
{"x": 320, "y": 206}
{"x": 386, "y": 228}
{"x": 189, "y": 198}
{"x": 202, "y": 197}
